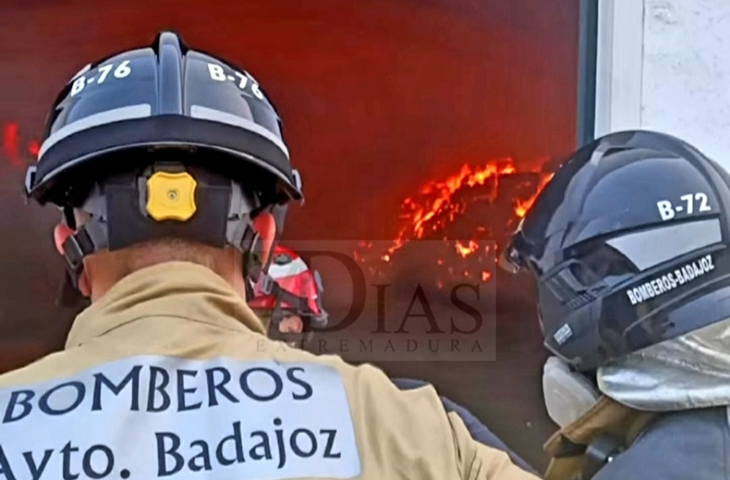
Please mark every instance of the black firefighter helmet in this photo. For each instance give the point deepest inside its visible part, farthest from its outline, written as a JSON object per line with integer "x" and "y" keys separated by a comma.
{"x": 628, "y": 244}
{"x": 162, "y": 141}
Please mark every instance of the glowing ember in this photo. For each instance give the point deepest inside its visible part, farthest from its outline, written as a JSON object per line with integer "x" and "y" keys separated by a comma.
{"x": 466, "y": 250}
{"x": 34, "y": 148}
{"x": 11, "y": 143}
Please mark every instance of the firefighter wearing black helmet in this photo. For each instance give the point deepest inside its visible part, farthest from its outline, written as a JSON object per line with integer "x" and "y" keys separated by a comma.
{"x": 169, "y": 167}
{"x": 628, "y": 245}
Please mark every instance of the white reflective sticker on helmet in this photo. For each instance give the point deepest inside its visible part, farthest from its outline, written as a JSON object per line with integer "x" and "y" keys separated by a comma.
{"x": 130, "y": 112}
{"x": 80, "y": 72}
{"x": 649, "y": 248}
{"x": 205, "y": 113}
{"x": 670, "y": 280}
{"x": 295, "y": 267}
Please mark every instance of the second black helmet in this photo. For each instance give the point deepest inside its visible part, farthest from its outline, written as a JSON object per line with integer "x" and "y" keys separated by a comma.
{"x": 629, "y": 246}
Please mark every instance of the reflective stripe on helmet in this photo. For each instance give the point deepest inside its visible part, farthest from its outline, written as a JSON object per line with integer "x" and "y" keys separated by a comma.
{"x": 295, "y": 267}
{"x": 131, "y": 112}
{"x": 205, "y": 113}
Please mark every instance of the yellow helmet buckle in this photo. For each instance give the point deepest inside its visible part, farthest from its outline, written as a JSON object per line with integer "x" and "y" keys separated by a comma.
{"x": 171, "y": 196}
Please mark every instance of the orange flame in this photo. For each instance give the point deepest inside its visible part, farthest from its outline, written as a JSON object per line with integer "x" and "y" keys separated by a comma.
{"x": 435, "y": 212}
{"x": 441, "y": 202}
{"x": 523, "y": 206}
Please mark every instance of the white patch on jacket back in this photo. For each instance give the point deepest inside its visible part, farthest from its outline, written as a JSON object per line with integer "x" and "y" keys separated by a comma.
{"x": 155, "y": 417}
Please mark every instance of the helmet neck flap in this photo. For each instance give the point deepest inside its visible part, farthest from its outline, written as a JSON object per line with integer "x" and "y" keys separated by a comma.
{"x": 130, "y": 208}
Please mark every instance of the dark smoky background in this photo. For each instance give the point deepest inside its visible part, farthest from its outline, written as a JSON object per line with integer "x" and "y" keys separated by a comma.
{"x": 376, "y": 96}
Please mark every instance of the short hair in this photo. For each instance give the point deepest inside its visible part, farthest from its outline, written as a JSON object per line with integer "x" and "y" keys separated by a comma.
{"x": 167, "y": 249}
{"x": 145, "y": 254}
{"x": 225, "y": 261}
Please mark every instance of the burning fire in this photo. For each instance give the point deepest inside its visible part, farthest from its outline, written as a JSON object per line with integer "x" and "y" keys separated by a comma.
{"x": 440, "y": 204}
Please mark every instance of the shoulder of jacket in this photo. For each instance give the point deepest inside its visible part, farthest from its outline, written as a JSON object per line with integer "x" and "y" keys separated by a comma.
{"x": 660, "y": 451}
{"x": 375, "y": 387}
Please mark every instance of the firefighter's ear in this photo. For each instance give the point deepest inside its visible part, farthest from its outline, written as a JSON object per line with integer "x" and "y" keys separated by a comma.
{"x": 265, "y": 226}
{"x": 61, "y": 232}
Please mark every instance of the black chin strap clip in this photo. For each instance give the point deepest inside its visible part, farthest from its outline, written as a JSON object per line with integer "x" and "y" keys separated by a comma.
{"x": 600, "y": 452}
{"x": 73, "y": 254}
{"x": 268, "y": 285}
{"x": 90, "y": 238}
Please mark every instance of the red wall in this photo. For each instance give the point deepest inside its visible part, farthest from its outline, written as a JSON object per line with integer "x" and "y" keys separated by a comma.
{"x": 376, "y": 96}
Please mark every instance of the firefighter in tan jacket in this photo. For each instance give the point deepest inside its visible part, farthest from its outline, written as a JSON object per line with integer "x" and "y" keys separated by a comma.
{"x": 165, "y": 162}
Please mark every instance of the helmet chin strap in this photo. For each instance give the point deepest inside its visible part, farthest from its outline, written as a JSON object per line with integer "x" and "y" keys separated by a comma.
{"x": 88, "y": 239}
{"x": 268, "y": 286}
